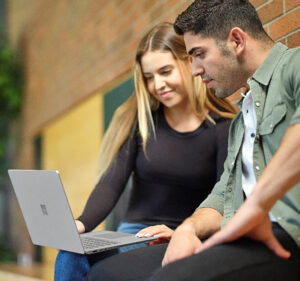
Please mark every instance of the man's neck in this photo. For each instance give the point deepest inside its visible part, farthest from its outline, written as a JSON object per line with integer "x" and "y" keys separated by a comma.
{"x": 257, "y": 53}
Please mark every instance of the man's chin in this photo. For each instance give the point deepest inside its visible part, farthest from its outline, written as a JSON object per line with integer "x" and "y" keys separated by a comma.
{"x": 221, "y": 94}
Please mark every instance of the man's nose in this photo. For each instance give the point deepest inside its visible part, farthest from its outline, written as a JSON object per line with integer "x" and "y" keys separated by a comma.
{"x": 197, "y": 69}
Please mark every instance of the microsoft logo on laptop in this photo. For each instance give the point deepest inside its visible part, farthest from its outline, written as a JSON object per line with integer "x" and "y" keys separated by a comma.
{"x": 44, "y": 209}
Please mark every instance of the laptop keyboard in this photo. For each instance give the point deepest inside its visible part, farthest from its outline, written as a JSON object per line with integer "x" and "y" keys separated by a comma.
{"x": 90, "y": 243}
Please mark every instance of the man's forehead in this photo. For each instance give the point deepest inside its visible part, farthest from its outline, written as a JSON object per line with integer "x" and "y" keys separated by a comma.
{"x": 193, "y": 41}
{"x": 192, "y": 36}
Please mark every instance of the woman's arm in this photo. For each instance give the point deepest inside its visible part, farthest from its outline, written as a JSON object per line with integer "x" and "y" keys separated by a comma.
{"x": 110, "y": 187}
{"x": 222, "y": 130}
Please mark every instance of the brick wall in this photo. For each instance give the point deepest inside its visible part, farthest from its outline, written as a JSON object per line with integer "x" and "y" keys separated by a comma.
{"x": 281, "y": 19}
{"x": 74, "y": 48}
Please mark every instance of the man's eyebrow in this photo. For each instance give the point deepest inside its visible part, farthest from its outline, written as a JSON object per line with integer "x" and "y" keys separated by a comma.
{"x": 191, "y": 51}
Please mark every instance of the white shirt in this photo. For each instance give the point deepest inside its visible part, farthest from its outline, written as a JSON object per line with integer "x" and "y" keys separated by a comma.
{"x": 248, "y": 176}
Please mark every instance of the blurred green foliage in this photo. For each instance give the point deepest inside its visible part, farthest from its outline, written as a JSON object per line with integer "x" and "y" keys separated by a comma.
{"x": 6, "y": 254}
{"x": 11, "y": 86}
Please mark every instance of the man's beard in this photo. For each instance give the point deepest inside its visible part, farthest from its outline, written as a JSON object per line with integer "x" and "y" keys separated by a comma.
{"x": 230, "y": 78}
{"x": 230, "y": 75}
{"x": 222, "y": 93}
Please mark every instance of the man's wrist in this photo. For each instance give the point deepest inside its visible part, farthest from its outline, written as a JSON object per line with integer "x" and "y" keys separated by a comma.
{"x": 187, "y": 226}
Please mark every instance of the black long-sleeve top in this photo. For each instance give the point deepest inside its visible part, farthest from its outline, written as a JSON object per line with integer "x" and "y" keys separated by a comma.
{"x": 177, "y": 174}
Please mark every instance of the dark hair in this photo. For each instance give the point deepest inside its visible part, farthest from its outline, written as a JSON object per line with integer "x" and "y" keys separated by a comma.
{"x": 215, "y": 18}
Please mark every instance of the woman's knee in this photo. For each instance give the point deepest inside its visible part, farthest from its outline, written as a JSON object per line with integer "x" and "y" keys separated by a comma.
{"x": 70, "y": 266}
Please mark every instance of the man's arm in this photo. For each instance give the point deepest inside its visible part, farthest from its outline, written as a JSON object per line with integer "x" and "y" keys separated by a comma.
{"x": 185, "y": 239}
{"x": 252, "y": 220}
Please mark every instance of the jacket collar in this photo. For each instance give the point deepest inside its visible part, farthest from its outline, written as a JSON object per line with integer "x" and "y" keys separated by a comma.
{"x": 265, "y": 71}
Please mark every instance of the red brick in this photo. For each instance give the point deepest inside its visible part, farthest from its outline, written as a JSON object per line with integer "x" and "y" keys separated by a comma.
{"x": 294, "y": 40}
{"x": 270, "y": 11}
{"x": 148, "y": 5}
{"x": 256, "y": 3}
{"x": 157, "y": 12}
{"x": 141, "y": 24}
{"x": 290, "y": 4}
{"x": 283, "y": 41}
{"x": 285, "y": 25}
{"x": 170, "y": 4}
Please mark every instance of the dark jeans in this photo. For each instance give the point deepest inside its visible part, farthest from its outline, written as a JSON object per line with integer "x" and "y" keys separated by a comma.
{"x": 242, "y": 260}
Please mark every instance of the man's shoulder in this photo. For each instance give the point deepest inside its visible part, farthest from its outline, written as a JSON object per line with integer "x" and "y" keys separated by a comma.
{"x": 292, "y": 54}
{"x": 288, "y": 67}
{"x": 290, "y": 70}
{"x": 294, "y": 50}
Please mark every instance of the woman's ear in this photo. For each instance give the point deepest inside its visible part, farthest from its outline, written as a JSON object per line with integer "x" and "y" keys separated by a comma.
{"x": 237, "y": 39}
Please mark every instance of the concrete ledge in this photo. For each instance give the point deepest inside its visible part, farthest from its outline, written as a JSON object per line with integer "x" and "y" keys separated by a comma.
{"x": 35, "y": 272}
{"x": 9, "y": 276}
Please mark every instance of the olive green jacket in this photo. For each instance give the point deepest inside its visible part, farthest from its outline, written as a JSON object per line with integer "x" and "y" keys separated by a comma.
{"x": 275, "y": 88}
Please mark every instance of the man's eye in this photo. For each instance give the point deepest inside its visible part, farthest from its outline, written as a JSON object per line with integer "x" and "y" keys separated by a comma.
{"x": 199, "y": 55}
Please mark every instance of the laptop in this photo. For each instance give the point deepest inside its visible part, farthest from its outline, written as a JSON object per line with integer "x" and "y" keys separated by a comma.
{"x": 49, "y": 218}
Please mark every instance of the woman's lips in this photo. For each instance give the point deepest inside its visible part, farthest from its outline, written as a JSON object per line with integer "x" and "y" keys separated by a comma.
{"x": 165, "y": 94}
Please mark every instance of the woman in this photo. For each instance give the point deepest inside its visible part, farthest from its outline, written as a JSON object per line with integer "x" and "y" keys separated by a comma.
{"x": 170, "y": 135}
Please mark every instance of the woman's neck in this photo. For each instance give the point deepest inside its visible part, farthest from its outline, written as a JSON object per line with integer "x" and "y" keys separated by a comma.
{"x": 182, "y": 118}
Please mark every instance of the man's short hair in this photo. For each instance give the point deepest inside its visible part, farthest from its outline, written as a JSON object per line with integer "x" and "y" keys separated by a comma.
{"x": 215, "y": 18}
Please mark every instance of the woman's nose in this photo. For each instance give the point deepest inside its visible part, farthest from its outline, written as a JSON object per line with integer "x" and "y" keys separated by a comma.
{"x": 159, "y": 83}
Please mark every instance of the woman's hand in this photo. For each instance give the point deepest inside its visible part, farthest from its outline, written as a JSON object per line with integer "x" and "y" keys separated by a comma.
{"x": 161, "y": 232}
{"x": 80, "y": 226}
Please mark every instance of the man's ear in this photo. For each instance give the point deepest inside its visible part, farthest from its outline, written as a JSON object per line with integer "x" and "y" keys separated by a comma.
{"x": 237, "y": 40}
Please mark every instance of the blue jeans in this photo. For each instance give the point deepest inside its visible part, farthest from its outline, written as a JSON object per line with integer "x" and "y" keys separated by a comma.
{"x": 74, "y": 267}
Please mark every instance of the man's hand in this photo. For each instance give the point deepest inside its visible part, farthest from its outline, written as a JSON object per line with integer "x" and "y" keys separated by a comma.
{"x": 252, "y": 218}
{"x": 183, "y": 244}
{"x": 252, "y": 221}
{"x": 185, "y": 239}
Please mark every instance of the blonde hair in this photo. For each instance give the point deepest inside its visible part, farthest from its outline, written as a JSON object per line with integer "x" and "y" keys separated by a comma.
{"x": 136, "y": 112}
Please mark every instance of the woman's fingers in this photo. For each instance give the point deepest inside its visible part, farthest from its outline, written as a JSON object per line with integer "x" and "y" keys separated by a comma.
{"x": 158, "y": 231}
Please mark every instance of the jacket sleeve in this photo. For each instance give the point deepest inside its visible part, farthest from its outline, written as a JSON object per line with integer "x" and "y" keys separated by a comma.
{"x": 293, "y": 74}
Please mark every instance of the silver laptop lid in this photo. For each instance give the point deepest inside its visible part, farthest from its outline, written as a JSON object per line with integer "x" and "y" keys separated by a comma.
{"x": 45, "y": 208}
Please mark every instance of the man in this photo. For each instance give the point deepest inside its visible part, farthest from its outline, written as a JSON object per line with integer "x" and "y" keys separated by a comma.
{"x": 257, "y": 200}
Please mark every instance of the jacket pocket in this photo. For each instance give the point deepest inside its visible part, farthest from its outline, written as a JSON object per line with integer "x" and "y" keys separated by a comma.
{"x": 270, "y": 122}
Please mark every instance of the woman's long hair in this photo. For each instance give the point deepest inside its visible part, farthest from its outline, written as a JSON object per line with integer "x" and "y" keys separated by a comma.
{"x": 140, "y": 105}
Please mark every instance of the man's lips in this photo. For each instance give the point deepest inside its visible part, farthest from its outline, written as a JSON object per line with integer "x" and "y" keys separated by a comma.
{"x": 208, "y": 82}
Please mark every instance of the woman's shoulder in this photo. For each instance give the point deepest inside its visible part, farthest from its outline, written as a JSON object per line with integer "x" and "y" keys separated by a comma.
{"x": 220, "y": 120}
{"x": 222, "y": 124}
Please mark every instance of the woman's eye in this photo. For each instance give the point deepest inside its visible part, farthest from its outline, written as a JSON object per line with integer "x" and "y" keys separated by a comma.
{"x": 148, "y": 78}
{"x": 166, "y": 72}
